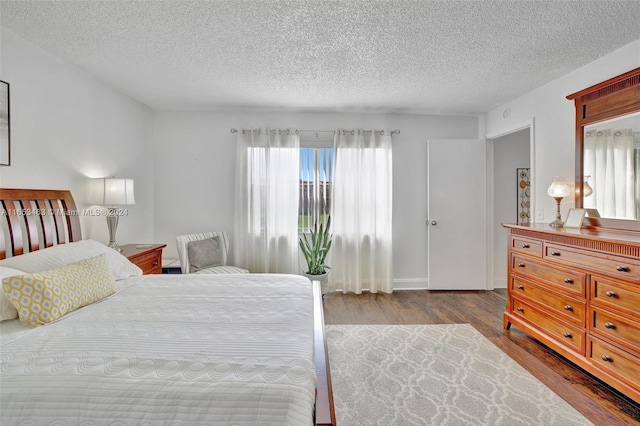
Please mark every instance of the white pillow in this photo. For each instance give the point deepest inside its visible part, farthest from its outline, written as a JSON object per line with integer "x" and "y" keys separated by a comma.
{"x": 64, "y": 254}
{"x": 7, "y": 310}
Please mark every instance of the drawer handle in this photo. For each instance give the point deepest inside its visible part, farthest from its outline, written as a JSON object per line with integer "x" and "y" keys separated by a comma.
{"x": 610, "y": 325}
{"x": 555, "y": 253}
{"x": 520, "y": 287}
{"x": 568, "y": 280}
{"x": 521, "y": 265}
{"x": 611, "y": 294}
{"x": 607, "y": 358}
{"x": 525, "y": 246}
{"x": 622, "y": 268}
{"x": 520, "y": 309}
{"x": 568, "y": 335}
{"x": 155, "y": 263}
{"x": 568, "y": 308}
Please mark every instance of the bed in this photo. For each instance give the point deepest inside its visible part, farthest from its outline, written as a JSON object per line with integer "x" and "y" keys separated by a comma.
{"x": 162, "y": 349}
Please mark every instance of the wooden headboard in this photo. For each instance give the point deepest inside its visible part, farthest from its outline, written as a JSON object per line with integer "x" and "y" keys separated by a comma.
{"x": 33, "y": 219}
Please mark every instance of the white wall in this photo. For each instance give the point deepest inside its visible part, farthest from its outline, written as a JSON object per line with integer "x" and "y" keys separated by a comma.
{"x": 195, "y": 172}
{"x": 509, "y": 153}
{"x": 554, "y": 116}
{"x": 67, "y": 126}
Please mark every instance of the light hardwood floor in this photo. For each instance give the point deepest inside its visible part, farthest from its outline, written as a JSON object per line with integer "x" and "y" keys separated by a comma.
{"x": 598, "y": 402}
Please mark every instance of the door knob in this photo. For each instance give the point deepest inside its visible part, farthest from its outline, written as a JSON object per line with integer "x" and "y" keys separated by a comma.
{"x": 434, "y": 223}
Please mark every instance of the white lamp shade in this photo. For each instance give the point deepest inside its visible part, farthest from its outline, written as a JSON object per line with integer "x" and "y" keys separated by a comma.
{"x": 111, "y": 192}
{"x": 559, "y": 188}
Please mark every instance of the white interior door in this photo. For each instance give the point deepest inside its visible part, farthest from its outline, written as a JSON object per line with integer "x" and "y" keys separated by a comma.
{"x": 457, "y": 214}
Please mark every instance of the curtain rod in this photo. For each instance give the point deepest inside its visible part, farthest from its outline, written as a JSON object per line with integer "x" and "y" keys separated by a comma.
{"x": 393, "y": 132}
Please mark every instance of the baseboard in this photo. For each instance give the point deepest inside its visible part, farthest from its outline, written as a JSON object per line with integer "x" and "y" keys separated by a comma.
{"x": 411, "y": 284}
{"x": 423, "y": 283}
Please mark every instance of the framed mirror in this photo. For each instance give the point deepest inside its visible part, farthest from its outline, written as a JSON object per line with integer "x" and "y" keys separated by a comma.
{"x": 5, "y": 130}
{"x": 608, "y": 151}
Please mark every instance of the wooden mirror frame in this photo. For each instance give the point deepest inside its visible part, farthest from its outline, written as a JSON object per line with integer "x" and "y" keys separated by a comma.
{"x": 612, "y": 98}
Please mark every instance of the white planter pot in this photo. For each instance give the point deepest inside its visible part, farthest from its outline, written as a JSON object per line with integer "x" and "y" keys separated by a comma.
{"x": 323, "y": 278}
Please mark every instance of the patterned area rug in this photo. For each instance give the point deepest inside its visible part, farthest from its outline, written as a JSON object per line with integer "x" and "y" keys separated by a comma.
{"x": 435, "y": 375}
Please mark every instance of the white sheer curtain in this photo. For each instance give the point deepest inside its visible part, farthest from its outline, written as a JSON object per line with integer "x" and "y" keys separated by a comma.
{"x": 608, "y": 159}
{"x": 361, "y": 212}
{"x": 266, "y": 205}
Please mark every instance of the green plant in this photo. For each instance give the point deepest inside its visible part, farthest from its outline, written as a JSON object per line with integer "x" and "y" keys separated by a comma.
{"x": 315, "y": 247}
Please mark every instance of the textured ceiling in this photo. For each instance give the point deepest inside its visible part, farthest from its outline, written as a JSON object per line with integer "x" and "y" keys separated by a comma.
{"x": 460, "y": 57}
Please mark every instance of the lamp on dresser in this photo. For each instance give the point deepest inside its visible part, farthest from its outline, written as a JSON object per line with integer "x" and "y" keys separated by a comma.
{"x": 558, "y": 190}
{"x": 112, "y": 193}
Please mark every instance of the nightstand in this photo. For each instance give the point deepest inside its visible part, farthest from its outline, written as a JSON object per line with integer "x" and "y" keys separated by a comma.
{"x": 147, "y": 257}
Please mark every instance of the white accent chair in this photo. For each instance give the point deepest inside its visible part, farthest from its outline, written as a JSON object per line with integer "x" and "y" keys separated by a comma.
{"x": 208, "y": 254}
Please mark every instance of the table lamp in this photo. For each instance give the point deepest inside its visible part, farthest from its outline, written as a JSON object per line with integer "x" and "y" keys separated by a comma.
{"x": 111, "y": 193}
{"x": 558, "y": 190}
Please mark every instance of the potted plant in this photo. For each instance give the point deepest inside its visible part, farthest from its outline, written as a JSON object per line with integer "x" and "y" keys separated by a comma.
{"x": 315, "y": 247}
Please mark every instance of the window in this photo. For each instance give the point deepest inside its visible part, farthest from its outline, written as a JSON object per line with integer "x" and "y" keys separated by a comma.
{"x": 316, "y": 178}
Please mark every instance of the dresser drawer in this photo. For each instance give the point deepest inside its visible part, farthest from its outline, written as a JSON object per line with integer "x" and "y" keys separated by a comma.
{"x": 565, "y": 306}
{"x": 616, "y": 361}
{"x": 527, "y": 245}
{"x": 615, "y": 295}
{"x": 567, "y": 335}
{"x": 572, "y": 281}
{"x": 611, "y": 326}
{"x": 622, "y": 267}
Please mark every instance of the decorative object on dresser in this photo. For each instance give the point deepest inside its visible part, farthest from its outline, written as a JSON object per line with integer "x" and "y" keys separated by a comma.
{"x": 112, "y": 192}
{"x": 575, "y": 218}
{"x": 147, "y": 257}
{"x": 558, "y": 190}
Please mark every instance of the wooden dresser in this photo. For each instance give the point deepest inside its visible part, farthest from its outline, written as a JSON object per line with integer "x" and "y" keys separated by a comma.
{"x": 578, "y": 292}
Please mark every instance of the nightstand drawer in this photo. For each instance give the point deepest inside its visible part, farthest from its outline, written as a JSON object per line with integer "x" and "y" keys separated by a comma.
{"x": 147, "y": 257}
{"x": 150, "y": 263}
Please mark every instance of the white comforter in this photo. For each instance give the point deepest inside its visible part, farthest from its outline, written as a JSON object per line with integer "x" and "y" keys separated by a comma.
{"x": 169, "y": 349}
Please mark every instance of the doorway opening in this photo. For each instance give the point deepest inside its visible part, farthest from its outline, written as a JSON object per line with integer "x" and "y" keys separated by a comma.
{"x": 511, "y": 195}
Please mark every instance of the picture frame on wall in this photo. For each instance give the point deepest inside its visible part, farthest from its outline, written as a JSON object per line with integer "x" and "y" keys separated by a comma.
{"x": 575, "y": 218}
{"x": 5, "y": 125}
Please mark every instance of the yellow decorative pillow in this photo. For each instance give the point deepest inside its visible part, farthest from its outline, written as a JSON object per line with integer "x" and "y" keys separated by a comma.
{"x": 46, "y": 296}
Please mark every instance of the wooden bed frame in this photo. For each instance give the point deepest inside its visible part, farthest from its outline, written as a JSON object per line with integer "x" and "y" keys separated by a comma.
{"x": 33, "y": 219}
